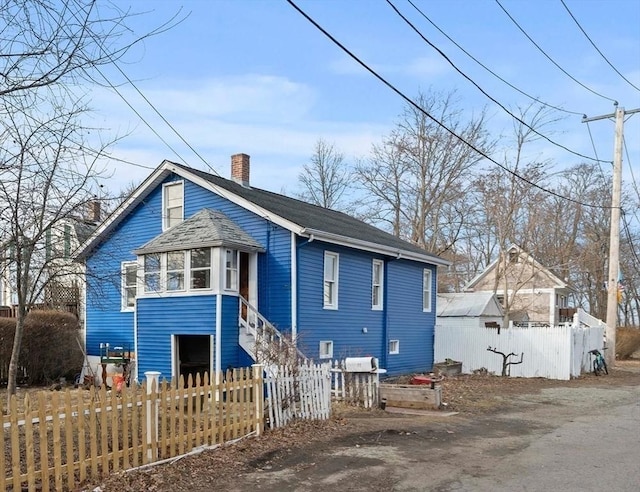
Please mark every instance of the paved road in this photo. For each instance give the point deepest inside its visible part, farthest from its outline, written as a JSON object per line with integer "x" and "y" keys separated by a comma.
{"x": 562, "y": 439}
{"x": 593, "y": 452}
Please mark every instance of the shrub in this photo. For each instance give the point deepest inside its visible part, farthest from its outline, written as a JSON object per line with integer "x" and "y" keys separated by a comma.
{"x": 49, "y": 347}
{"x": 627, "y": 342}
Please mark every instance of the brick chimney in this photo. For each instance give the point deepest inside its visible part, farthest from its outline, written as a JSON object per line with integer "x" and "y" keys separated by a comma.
{"x": 95, "y": 210}
{"x": 240, "y": 169}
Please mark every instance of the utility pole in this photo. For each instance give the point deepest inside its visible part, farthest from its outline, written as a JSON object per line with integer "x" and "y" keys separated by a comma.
{"x": 614, "y": 235}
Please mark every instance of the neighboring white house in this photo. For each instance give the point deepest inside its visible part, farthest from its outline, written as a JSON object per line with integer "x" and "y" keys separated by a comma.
{"x": 64, "y": 276}
{"x": 469, "y": 309}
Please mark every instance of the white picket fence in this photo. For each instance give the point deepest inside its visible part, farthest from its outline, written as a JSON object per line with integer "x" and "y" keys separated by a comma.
{"x": 354, "y": 388}
{"x": 300, "y": 392}
{"x": 556, "y": 352}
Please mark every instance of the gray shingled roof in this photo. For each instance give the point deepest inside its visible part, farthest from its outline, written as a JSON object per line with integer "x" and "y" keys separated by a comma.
{"x": 311, "y": 216}
{"x": 203, "y": 229}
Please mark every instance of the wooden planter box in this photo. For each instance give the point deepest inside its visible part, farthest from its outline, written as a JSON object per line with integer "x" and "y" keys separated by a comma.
{"x": 450, "y": 369}
{"x": 411, "y": 396}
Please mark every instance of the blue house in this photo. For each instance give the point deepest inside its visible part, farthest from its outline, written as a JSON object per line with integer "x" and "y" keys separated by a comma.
{"x": 188, "y": 267}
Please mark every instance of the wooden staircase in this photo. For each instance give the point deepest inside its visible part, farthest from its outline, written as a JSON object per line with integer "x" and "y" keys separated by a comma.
{"x": 263, "y": 341}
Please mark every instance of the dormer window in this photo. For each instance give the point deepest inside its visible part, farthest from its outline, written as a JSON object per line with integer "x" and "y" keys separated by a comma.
{"x": 173, "y": 204}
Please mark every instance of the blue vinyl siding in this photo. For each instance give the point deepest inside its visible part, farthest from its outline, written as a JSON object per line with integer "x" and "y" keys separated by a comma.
{"x": 401, "y": 319}
{"x": 107, "y": 324}
{"x": 229, "y": 350}
{"x": 105, "y": 321}
{"x": 406, "y": 321}
{"x": 161, "y": 317}
{"x": 343, "y": 325}
{"x": 274, "y": 266}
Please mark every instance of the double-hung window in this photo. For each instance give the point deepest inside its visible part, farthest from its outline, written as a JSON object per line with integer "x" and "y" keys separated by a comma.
{"x": 152, "y": 269}
{"x": 376, "y": 284}
{"x": 201, "y": 268}
{"x": 175, "y": 271}
{"x": 129, "y": 285}
{"x": 330, "y": 280}
{"x": 173, "y": 204}
{"x": 231, "y": 270}
{"x": 426, "y": 290}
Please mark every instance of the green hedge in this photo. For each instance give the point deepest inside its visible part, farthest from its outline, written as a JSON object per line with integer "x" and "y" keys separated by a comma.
{"x": 49, "y": 347}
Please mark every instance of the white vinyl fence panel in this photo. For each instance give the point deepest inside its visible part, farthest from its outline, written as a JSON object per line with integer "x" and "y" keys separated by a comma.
{"x": 556, "y": 352}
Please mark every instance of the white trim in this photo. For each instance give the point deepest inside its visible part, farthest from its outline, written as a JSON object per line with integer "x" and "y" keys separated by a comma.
{"x": 427, "y": 309}
{"x": 174, "y": 357}
{"x": 135, "y": 341}
{"x": 294, "y": 287}
{"x": 218, "y": 362}
{"x": 373, "y": 247}
{"x": 329, "y": 354}
{"x": 397, "y": 349}
{"x": 253, "y": 280}
{"x": 377, "y": 306}
{"x": 336, "y": 279}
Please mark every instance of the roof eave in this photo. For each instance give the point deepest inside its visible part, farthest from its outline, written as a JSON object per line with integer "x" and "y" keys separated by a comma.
{"x": 373, "y": 247}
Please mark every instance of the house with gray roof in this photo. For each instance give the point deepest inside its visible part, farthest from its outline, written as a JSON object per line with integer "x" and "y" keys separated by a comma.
{"x": 192, "y": 268}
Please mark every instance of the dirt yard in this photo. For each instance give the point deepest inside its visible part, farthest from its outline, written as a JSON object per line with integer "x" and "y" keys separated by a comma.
{"x": 294, "y": 457}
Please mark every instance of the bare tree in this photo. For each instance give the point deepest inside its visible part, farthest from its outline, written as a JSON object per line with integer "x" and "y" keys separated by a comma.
{"x": 511, "y": 206}
{"x": 418, "y": 178}
{"x": 326, "y": 178}
{"x": 48, "y": 163}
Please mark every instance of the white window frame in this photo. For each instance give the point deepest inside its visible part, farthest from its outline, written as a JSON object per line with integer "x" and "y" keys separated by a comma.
{"x": 332, "y": 283}
{"x": 168, "y": 272}
{"x": 231, "y": 269}
{"x": 200, "y": 269}
{"x": 377, "y": 301}
{"x": 152, "y": 272}
{"x": 394, "y": 347}
{"x": 427, "y": 279}
{"x": 165, "y": 204}
{"x": 325, "y": 349}
{"x": 124, "y": 286}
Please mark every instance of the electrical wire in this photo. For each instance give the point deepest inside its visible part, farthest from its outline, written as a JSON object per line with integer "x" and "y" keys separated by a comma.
{"x": 539, "y": 101}
{"x": 473, "y": 82}
{"x": 633, "y": 178}
{"x": 596, "y": 48}
{"x": 412, "y": 103}
{"x": 112, "y": 86}
{"x": 549, "y": 58}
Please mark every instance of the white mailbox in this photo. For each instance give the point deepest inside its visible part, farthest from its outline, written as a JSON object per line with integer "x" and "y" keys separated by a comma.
{"x": 360, "y": 364}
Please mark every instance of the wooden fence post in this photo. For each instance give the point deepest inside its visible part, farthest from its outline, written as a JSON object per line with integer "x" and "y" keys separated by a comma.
{"x": 258, "y": 396}
{"x": 152, "y": 379}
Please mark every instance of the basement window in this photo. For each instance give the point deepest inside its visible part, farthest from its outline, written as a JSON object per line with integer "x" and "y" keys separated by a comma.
{"x": 326, "y": 349}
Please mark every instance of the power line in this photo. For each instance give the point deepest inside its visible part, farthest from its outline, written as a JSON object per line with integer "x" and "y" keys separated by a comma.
{"x": 633, "y": 178}
{"x": 115, "y": 64}
{"x": 428, "y": 115}
{"x": 596, "y": 48}
{"x": 506, "y": 110}
{"x": 557, "y": 108}
{"x": 549, "y": 58}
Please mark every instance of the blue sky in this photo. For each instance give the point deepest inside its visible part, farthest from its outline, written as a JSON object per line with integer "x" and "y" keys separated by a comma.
{"x": 256, "y": 77}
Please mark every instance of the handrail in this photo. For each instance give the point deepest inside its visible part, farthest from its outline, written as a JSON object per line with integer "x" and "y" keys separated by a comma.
{"x": 263, "y": 331}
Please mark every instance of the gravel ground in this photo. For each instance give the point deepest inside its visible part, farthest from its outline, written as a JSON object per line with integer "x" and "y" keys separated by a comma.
{"x": 474, "y": 397}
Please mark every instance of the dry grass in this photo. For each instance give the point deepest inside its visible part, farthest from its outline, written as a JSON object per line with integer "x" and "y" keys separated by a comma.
{"x": 627, "y": 342}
